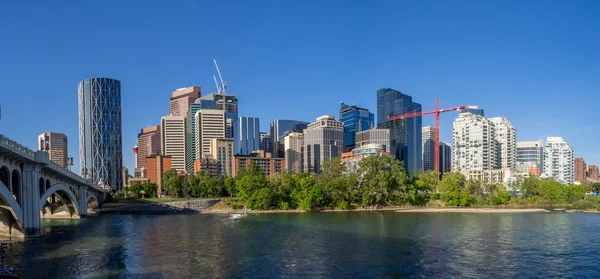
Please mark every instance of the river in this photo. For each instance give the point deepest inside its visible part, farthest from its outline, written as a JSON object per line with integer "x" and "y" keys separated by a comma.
{"x": 315, "y": 245}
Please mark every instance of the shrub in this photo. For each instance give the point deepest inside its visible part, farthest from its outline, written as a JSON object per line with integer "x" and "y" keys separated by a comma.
{"x": 344, "y": 205}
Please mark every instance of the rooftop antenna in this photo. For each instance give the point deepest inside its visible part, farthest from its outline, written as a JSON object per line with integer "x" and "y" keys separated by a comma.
{"x": 217, "y": 84}
{"x": 223, "y": 85}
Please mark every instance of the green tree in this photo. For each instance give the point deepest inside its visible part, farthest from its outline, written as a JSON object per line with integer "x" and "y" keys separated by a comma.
{"x": 595, "y": 187}
{"x": 250, "y": 180}
{"x": 230, "y": 186}
{"x": 173, "y": 183}
{"x": 383, "y": 178}
{"x": 453, "y": 190}
{"x": 150, "y": 189}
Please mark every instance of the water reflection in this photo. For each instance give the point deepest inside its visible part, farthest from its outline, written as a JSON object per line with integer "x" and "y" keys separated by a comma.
{"x": 317, "y": 245}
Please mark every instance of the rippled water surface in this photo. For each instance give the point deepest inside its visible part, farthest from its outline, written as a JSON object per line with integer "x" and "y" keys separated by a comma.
{"x": 317, "y": 245}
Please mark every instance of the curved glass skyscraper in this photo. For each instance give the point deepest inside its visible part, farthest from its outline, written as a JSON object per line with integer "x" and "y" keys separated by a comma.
{"x": 101, "y": 156}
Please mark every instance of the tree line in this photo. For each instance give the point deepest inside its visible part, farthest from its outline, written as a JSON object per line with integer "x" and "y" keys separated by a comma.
{"x": 380, "y": 181}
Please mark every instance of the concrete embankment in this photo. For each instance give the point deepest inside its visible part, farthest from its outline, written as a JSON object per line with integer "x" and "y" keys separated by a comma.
{"x": 191, "y": 206}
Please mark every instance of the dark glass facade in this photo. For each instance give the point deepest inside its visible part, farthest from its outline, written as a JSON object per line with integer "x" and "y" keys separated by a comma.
{"x": 249, "y": 135}
{"x": 278, "y": 129}
{"x": 355, "y": 120}
{"x": 405, "y": 134}
{"x": 100, "y": 145}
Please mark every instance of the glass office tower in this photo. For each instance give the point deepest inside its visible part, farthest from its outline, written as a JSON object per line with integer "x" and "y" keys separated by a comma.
{"x": 249, "y": 135}
{"x": 100, "y": 146}
{"x": 405, "y": 134}
{"x": 355, "y": 120}
{"x": 278, "y": 129}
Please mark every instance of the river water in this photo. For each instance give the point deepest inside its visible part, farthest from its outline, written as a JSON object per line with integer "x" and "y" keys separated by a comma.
{"x": 315, "y": 245}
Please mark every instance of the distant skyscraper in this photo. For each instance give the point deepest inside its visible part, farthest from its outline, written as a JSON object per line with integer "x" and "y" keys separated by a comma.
{"x": 229, "y": 104}
{"x": 530, "y": 157}
{"x": 57, "y": 147}
{"x": 148, "y": 144}
{"x": 474, "y": 145}
{"x": 266, "y": 143}
{"x": 323, "y": 140}
{"x": 474, "y": 110}
{"x": 580, "y": 170}
{"x": 593, "y": 173}
{"x": 405, "y": 134}
{"x": 293, "y": 144}
{"x": 100, "y": 145}
{"x": 355, "y": 120}
{"x": 210, "y": 124}
{"x": 374, "y": 136}
{"x": 249, "y": 135}
{"x": 428, "y": 147}
{"x": 200, "y": 103}
{"x": 278, "y": 129}
{"x": 559, "y": 160}
{"x": 182, "y": 99}
{"x": 505, "y": 135}
{"x": 172, "y": 140}
{"x": 445, "y": 158}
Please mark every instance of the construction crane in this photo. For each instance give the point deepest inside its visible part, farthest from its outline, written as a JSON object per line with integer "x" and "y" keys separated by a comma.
{"x": 437, "y": 111}
{"x": 223, "y": 84}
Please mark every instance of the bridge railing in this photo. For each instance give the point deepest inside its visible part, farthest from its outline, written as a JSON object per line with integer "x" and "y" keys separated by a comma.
{"x": 10, "y": 144}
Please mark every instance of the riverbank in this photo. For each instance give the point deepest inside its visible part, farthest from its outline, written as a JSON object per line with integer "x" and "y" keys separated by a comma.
{"x": 472, "y": 210}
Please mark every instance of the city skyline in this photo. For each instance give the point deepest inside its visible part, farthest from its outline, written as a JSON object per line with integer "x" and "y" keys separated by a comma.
{"x": 513, "y": 79}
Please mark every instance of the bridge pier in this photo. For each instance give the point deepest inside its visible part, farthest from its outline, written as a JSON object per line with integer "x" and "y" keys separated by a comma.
{"x": 30, "y": 202}
{"x": 82, "y": 200}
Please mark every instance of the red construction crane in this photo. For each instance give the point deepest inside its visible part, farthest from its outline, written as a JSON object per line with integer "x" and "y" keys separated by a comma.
{"x": 437, "y": 111}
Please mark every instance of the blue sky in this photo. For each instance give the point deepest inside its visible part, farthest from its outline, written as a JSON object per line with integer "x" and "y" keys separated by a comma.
{"x": 536, "y": 62}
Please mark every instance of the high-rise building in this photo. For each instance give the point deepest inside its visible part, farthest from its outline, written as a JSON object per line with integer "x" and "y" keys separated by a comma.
{"x": 148, "y": 143}
{"x": 210, "y": 124}
{"x": 530, "y": 157}
{"x": 445, "y": 157}
{"x": 229, "y": 104}
{"x": 474, "y": 110}
{"x": 474, "y": 145}
{"x": 100, "y": 135}
{"x": 222, "y": 151}
{"x": 182, "y": 98}
{"x": 323, "y": 140}
{"x": 593, "y": 173}
{"x": 506, "y": 138}
{"x": 156, "y": 166}
{"x": 293, "y": 143}
{"x": 374, "y": 136}
{"x": 172, "y": 140}
{"x": 580, "y": 170}
{"x": 355, "y": 120}
{"x": 405, "y": 134}
{"x": 428, "y": 147}
{"x": 190, "y": 128}
{"x": 278, "y": 129}
{"x": 249, "y": 135}
{"x": 125, "y": 176}
{"x": 266, "y": 143}
{"x": 262, "y": 160}
{"x": 559, "y": 160}
{"x": 56, "y": 145}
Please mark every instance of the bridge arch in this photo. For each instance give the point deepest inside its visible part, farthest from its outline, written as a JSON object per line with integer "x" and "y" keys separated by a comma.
{"x": 48, "y": 185}
{"x": 92, "y": 202}
{"x": 11, "y": 213}
{"x": 5, "y": 176}
{"x": 16, "y": 185}
{"x": 65, "y": 195}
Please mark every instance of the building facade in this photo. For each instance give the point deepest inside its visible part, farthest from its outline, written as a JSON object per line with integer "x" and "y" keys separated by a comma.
{"x": 428, "y": 148}
{"x": 355, "y": 120}
{"x": 182, "y": 98}
{"x": 222, "y": 150}
{"x": 100, "y": 134}
{"x": 580, "y": 170}
{"x": 249, "y": 135}
{"x": 559, "y": 160}
{"x": 210, "y": 124}
{"x": 56, "y": 145}
{"x": 474, "y": 110}
{"x": 229, "y": 104}
{"x": 405, "y": 134}
{"x": 156, "y": 166}
{"x": 445, "y": 157}
{"x": 530, "y": 157}
{"x": 293, "y": 143}
{"x": 505, "y": 135}
{"x": 261, "y": 159}
{"x": 190, "y": 128}
{"x": 593, "y": 174}
{"x": 474, "y": 146}
{"x": 172, "y": 140}
{"x": 278, "y": 129}
{"x": 323, "y": 140}
{"x": 266, "y": 142}
{"x": 148, "y": 143}
{"x": 374, "y": 136}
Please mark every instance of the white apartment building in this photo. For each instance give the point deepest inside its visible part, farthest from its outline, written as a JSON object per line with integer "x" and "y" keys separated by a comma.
{"x": 474, "y": 145}
{"x": 530, "y": 157}
{"x": 323, "y": 140}
{"x": 172, "y": 140}
{"x": 559, "y": 160}
{"x": 210, "y": 124}
{"x": 428, "y": 147}
{"x": 374, "y": 136}
{"x": 505, "y": 135}
{"x": 293, "y": 143}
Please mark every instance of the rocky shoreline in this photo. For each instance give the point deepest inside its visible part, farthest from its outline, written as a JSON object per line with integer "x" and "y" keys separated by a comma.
{"x": 6, "y": 271}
